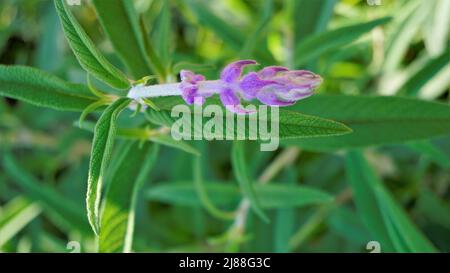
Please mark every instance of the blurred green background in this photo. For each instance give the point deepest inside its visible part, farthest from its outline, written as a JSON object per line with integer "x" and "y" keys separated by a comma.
{"x": 42, "y": 197}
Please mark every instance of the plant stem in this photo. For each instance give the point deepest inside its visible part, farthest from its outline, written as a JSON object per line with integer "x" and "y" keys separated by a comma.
{"x": 281, "y": 161}
{"x": 316, "y": 219}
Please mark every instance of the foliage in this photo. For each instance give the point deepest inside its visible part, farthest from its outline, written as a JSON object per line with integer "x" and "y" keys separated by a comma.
{"x": 367, "y": 158}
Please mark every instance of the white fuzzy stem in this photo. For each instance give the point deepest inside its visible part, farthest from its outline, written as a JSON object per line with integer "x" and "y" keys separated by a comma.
{"x": 159, "y": 90}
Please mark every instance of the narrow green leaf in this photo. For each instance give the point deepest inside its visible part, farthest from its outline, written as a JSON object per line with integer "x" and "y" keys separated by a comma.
{"x": 347, "y": 224}
{"x": 291, "y": 124}
{"x": 117, "y": 219}
{"x": 162, "y": 33}
{"x": 147, "y": 135}
{"x": 410, "y": 20}
{"x": 374, "y": 120}
{"x": 87, "y": 54}
{"x": 437, "y": 27}
{"x": 224, "y": 30}
{"x": 271, "y": 196}
{"x": 322, "y": 43}
{"x": 384, "y": 218}
{"x": 434, "y": 208}
{"x": 42, "y": 89}
{"x": 120, "y": 21}
{"x": 423, "y": 76}
{"x": 15, "y": 215}
{"x": 430, "y": 151}
{"x": 102, "y": 145}
{"x": 311, "y": 17}
{"x": 245, "y": 182}
{"x": 63, "y": 212}
{"x": 203, "y": 196}
{"x": 252, "y": 40}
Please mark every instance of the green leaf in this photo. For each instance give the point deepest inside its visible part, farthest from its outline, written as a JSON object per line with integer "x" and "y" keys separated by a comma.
{"x": 429, "y": 150}
{"x": 423, "y": 76}
{"x": 437, "y": 28}
{"x": 374, "y": 120}
{"x": 42, "y": 89}
{"x": 203, "y": 196}
{"x": 383, "y": 217}
{"x": 117, "y": 219}
{"x": 311, "y": 17}
{"x": 252, "y": 41}
{"x": 271, "y": 196}
{"x": 120, "y": 21}
{"x": 162, "y": 33}
{"x": 146, "y": 134}
{"x": 15, "y": 215}
{"x": 225, "y": 31}
{"x": 347, "y": 224}
{"x": 434, "y": 208}
{"x": 87, "y": 54}
{"x": 410, "y": 18}
{"x": 322, "y": 43}
{"x": 242, "y": 176}
{"x": 291, "y": 124}
{"x": 63, "y": 212}
{"x": 102, "y": 145}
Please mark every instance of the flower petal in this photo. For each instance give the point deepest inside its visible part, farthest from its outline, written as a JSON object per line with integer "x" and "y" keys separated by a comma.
{"x": 233, "y": 71}
{"x": 271, "y": 71}
{"x": 272, "y": 99}
{"x": 251, "y": 84}
{"x": 232, "y": 102}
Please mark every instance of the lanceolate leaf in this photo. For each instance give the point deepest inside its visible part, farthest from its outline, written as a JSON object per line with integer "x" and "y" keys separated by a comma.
{"x": 144, "y": 134}
{"x": 382, "y": 216}
{"x": 42, "y": 89}
{"x": 271, "y": 196}
{"x": 225, "y": 31}
{"x": 422, "y": 77}
{"x": 311, "y": 17}
{"x": 117, "y": 220}
{"x": 162, "y": 33}
{"x": 316, "y": 45}
{"x": 242, "y": 176}
{"x": 104, "y": 134}
{"x": 120, "y": 21}
{"x": 87, "y": 54}
{"x": 292, "y": 124}
{"x": 374, "y": 120}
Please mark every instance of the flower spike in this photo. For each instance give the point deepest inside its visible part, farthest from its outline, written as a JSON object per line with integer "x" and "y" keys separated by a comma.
{"x": 272, "y": 85}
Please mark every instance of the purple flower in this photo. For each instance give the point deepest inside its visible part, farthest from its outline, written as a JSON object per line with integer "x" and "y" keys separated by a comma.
{"x": 273, "y": 85}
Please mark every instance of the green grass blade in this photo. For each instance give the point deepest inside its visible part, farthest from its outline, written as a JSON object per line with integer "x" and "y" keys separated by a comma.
{"x": 117, "y": 219}
{"x": 102, "y": 145}
{"x": 87, "y": 54}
